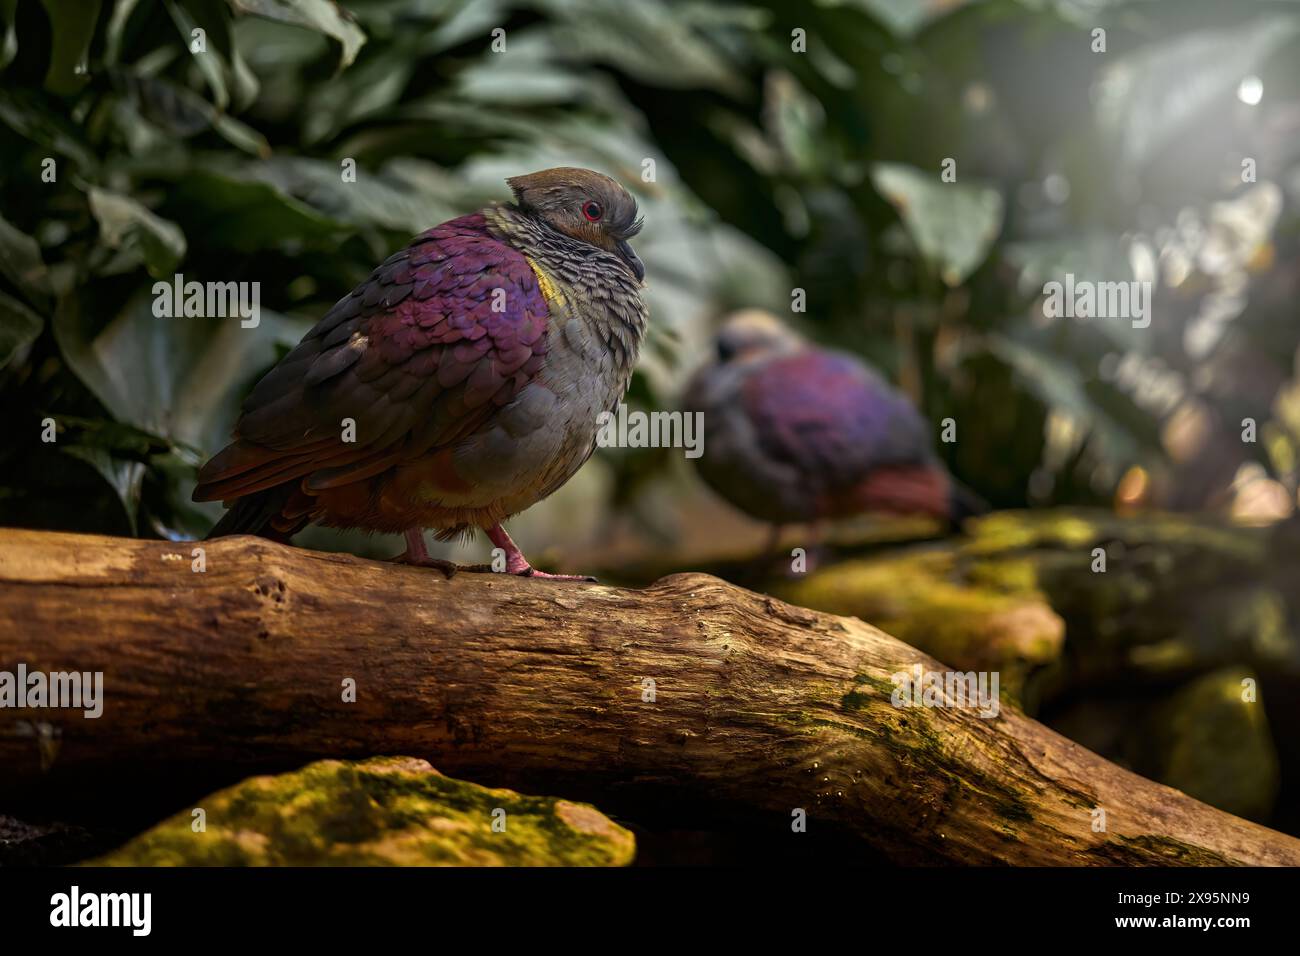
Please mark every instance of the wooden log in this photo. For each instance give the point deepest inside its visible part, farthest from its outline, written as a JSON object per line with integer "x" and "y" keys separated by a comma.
{"x": 757, "y": 707}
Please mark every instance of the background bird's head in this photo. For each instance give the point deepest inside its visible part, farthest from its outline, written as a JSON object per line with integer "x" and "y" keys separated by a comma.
{"x": 584, "y": 205}
{"x": 754, "y": 333}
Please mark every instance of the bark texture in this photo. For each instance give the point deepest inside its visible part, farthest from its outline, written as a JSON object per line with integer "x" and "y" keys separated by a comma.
{"x": 757, "y": 707}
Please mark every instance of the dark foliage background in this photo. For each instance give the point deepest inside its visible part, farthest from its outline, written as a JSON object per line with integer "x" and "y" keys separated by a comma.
{"x": 772, "y": 170}
{"x": 777, "y": 148}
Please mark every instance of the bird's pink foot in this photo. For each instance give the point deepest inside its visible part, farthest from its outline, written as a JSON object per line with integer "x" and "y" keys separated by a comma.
{"x": 516, "y": 563}
{"x": 417, "y": 555}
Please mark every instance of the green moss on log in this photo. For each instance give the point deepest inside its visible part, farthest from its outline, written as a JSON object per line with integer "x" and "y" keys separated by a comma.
{"x": 919, "y": 750}
{"x": 1155, "y": 851}
{"x": 387, "y": 811}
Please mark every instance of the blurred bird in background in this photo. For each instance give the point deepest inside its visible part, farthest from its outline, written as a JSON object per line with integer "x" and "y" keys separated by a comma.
{"x": 455, "y": 387}
{"x": 800, "y": 434}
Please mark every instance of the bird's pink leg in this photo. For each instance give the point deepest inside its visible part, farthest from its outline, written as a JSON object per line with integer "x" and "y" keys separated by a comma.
{"x": 516, "y": 563}
{"x": 417, "y": 554}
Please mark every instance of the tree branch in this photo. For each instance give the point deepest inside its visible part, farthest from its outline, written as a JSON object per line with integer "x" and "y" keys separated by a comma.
{"x": 758, "y": 706}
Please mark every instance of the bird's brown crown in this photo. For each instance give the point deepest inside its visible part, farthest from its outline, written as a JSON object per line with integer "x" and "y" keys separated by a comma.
{"x": 584, "y": 205}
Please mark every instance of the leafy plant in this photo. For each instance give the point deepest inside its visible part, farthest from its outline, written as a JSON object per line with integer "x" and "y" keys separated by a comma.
{"x": 215, "y": 137}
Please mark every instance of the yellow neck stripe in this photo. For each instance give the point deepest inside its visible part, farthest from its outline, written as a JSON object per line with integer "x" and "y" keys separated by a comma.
{"x": 549, "y": 292}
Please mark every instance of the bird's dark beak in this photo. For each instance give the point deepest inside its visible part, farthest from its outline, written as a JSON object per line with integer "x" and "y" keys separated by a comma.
{"x": 630, "y": 257}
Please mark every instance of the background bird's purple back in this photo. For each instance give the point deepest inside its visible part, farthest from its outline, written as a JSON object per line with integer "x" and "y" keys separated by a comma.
{"x": 831, "y": 419}
{"x": 796, "y": 433}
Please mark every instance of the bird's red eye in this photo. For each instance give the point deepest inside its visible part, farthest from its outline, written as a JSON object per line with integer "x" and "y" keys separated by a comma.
{"x": 592, "y": 211}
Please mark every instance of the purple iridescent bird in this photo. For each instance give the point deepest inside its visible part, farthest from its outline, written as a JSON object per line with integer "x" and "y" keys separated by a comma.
{"x": 799, "y": 434}
{"x": 455, "y": 387}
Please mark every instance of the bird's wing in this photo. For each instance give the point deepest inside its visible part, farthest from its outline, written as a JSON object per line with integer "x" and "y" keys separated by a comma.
{"x": 418, "y": 356}
{"x": 830, "y": 418}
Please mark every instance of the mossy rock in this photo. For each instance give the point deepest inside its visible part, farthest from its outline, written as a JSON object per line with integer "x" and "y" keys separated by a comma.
{"x": 1211, "y": 740}
{"x": 386, "y": 811}
{"x": 987, "y": 618}
{"x": 1179, "y": 594}
{"x": 1207, "y": 738}
{"x": 1072, "y": 529}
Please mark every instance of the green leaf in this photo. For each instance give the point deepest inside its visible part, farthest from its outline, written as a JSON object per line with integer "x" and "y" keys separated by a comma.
{"x": 74, "y": 27}
{"x": 9, "y": 43}
{"x": 322, "y": 16}
{"x": 124, "y": 441}
{"x": 27, "y": 117}
{"x": 212, "y": 65}
{"x": 1094, "y": 258}
{"x": 126, "y": 224}
{"x": 249, "y": 216}
{"x": 368, "y": 89}
{"x": 407, "y": 195}
{"x": 124, "y": 475}
{"x": 181, "y": 113}
{"x": 241, "y": 136}
{"x": 183, "y": 520}
{"x": 1054, "y": 380}
{"x": 1153, "y": 98}
{"x": 220, "y": 63}
{"x": 21, "y": 262}
{"x": 176, "y": 111}
{"x": 19, "y": 327}
{"x": 1121, "y": 432}
{"x": 179, "y": 378}
{"x": 952, "y": 224}
{"x": 796, "y": 121}
{"x": 906, "y": 18}
{"x": 116, "y": 32}
{"x": 649, "y": 40}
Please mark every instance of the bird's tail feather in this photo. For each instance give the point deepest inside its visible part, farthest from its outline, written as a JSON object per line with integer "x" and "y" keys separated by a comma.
{"x": 253, "y": 514}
